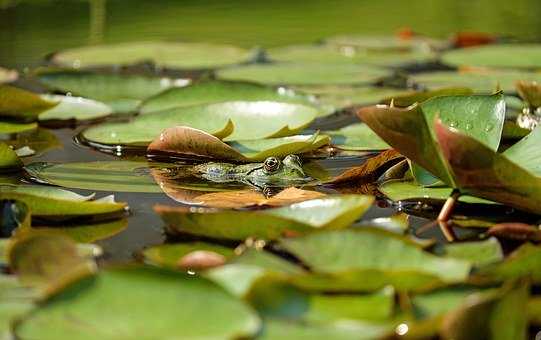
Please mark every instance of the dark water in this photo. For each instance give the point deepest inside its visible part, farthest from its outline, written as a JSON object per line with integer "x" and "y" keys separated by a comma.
{"x": 32, "y": 29}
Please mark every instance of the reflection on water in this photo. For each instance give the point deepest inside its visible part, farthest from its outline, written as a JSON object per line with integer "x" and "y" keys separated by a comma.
{"x": 32, "y": 29}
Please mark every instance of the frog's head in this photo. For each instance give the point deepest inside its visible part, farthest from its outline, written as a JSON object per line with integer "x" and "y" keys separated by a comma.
{"x": 279, "y": 172}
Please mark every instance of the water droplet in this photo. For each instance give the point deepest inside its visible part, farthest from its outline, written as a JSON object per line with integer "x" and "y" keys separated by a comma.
{"x": 489, "y": 127}
{"x": 468, "y": 126}
{"x": 453, "y": 124}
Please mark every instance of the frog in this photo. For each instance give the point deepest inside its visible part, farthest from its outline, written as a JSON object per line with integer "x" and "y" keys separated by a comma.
{"x": 272, "y": 172}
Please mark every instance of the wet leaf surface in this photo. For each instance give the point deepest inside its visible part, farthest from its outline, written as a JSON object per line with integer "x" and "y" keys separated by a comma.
{"x": 74, "y": 108}
{"x": 9, "y": 161}
{"x": 22, "y": 105}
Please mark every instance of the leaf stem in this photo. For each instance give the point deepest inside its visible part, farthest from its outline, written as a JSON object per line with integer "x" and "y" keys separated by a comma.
{"x": 445, "y": 214}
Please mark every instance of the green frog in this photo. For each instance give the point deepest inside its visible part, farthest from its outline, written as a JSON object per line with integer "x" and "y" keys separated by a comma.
{"x": 272, "y": 172}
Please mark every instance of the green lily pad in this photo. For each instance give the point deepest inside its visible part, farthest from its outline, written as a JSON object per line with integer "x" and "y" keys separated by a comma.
{"x": 38, "y": 140}
{"x": 441, "y": 301}
{"x": 485, "y": 81}
{"x": 305, "y": 74}
{"x": 337, "y": 55}
{"x": 22, "y": 105}
{"x": 171, "y": 255}
{"x": 179, "y": 55}
{"x": 357, "y": 137}
{"x": 7, "y": 76}
{"x": 479, "y": 253}
{"x": 123, "y": 93}
{"x": 76, "y": 108}
{"x": 121, "y": 176}
{"x": 411, "y": 131}
{"x": 504, "y": 55}
{"x": 365, "y": 250}
{"x": 329, "y": 212}
{"x": 9, "y": 127}
{"x": 48, "y": 203}
{"x": 17, "y": 300}
{"x": 216, "y": 91}
{"x": 9, "y": 161}
{"x": 229, "y": 120}
{"x": 522, "y": 263}
{"x": 140, "y": 303}
{"x": 187, "y": 141}
{"x": 384, "y": 43}
{"x": 81, "y": 233}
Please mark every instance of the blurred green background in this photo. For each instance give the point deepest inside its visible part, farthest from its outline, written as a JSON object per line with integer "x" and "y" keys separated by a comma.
{"x": 30, "y": 29}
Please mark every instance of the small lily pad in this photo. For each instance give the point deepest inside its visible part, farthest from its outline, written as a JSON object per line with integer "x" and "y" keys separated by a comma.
{"x": 19, "y": 104}
{"x": 216, "y": 91}
{"x": 357, "y": 137}
{"x": 229, "y": 120}
{"x": 7, "y": 76}
{"x": 161, "y": 304}
{"x": 179, "y": 55}
{"x": 305, "y": 74}
{"x": 74, "y": 108}
{"x": 526, "y": 56}
{"x": 330, "y": 212}
{"x": 172, "y": 255}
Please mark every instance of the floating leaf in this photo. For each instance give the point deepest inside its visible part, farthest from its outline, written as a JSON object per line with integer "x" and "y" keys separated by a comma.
{"x": 524, "y": 262}
{"x": 357, "y": 137}
{"x": 177, "y": 256}
{"x": 16, "y": 301}
{"x": 140, "y": 303}
{"x": 9, "y": 161}
{"x": 74, "y": 108}
{"x": 229, "y": 120}
{"x": 384, "y": 43}
{"x": 50, "y": 204}
{"x": 121, "y": 176}
{"x": 216, "y": 91}
{"x": 411, "y": 131}
{"x": 39, "y": 140}
{"x": 22, "y": 105}
{"x": 485, "y": 81}
{"x": 122, "y": 92}
{"x": 410, "y": 98}
{"x": 180, "y": 55}
{"x": 372, "y": 251}
{"x": 304, "y": 74}
{"x": 330, "y": 212}
{"x": 479, "y": 253}
{"x": 496, "y": 55}
{"x": 7, "y": 76}
{"x": 188, "y": 141}
{"x": 9, "y": 127}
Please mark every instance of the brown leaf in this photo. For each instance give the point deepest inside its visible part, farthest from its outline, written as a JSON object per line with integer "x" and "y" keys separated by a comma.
{"x": 530, "y": 91}
{"x": 371, "y": 169}
{"x": 515, "y": 231}
{"x": 201, "y": 259}
{"x": 469, "y": 39}
{"x": 189, "y": 141}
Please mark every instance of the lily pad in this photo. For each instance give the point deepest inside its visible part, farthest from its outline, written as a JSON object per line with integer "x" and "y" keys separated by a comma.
{"x": 9, "y": 127}
{"x": 410, "y": 98}
{"x": 384, "y": 43}
{"x": 7, "y": 76}
{"x": 335, "y": 54}
{"x": 38, "y": 140}
{"x": 479, "y": 253}
{"x": 305, "y": 74}
{"x": 330, "y": 212}
{"x": 161, "y": 304}
{"x": 74, "y": 108}
{"x": 19, "y": 104}
{"x": 179, "y": 55}
{"x": 230, "y": 121}
{"x": 188, "y": 141}
{"x": 122, "y": 92}
{"x": 17, "y": 300}
{"x": 372, "y": 251}
{"x": 481, "y": 81}
{"x": 526, "y": 56}
{"x": 411, "y": 131}
{"x": 9, "y": 161}
{"x": 49, "y": 204}
{"x": 174, "y": 256}
{"x": 121, "y": 176}
{"x": 216, "y": 91}
{"x": 524, "y": 262}
{"x": 357, "y": 137}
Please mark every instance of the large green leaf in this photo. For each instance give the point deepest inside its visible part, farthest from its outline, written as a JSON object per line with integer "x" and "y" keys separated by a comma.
{"x": 486, "y": 81}
{"x": 357, "y": 137}
{"x": 180, "y": 55}
{"x": 7, "y": 76}
{"x": 480, "y": 171}
{"x": 122, "y": 92}
{"x": 76, "y": 108}
{"x": 140, "y": 303}
{"x": 369, "y": 250}
{"x": 525, "y": 262}
{"x": 411, "y": 131}
{"x": 49, "y": 204}
{"x": 329, "y": 212}
{"x": 305, "y": 74}
{"x": 9, "y": 161}
{"x": 504, "y": 55}
{"x": 216, "y": 91}
{"x": 229, "y": 120}
{"x": 22, "y": 105}
{"x": 188, "y": 141}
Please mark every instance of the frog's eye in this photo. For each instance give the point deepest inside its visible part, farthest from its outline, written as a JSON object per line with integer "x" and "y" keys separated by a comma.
{"x": 271, "y": 164}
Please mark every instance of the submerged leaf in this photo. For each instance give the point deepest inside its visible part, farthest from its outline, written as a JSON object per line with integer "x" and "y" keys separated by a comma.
{"x": 140, "y": 302}
{"x": 180, "y": 55}
{"x": 330, "y": 212}
{"x": 22, "y": 105}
